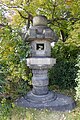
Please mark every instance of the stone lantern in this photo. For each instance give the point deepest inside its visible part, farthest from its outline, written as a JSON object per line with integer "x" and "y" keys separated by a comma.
{"x": 40, "y": 37}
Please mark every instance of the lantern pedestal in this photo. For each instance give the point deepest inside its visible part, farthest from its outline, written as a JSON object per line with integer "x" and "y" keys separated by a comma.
{"x": 51, "y": 101}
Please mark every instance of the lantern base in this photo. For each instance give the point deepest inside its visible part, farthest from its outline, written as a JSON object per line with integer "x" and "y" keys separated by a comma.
{"x": 59, "y": 102}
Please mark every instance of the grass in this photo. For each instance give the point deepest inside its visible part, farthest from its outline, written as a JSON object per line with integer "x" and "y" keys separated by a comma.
{"x": 19, "y": 113}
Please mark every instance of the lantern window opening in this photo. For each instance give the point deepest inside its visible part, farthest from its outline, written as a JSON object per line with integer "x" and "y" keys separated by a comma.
{"x": 40, "y": 46}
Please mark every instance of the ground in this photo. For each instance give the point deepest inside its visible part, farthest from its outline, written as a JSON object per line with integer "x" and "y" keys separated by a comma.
{"x": 18, "y": 113}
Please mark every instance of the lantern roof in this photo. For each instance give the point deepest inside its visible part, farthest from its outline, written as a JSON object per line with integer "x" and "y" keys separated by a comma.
{"x": 40, "y": 30}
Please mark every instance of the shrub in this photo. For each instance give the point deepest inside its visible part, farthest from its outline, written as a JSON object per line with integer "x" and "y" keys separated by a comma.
{"x": 5, "y": 110}
{"x": 2, "y": 84}
{"x": 64, "y": 72}
{"x": 78, "y": 79}
{"x": 13, "y": 53}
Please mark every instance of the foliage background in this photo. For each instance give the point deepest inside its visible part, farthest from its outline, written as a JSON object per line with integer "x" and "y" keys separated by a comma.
{"x": 15, "y": 19}
{"x": 64, "y": 72}
{"x": 14, "y": 71}
{"x": 15, "y": 77}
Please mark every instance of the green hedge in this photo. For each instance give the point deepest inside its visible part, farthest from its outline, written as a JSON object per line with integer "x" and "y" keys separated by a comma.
{"x": 64, "y": 72}
{"x": 78, "y": 79}
{"x": 14, "y": 73}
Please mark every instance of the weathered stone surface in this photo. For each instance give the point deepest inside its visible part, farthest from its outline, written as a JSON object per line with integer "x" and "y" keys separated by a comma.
{"x": 39, "y": 20}
{"x": 40, "y": 37}
{"x": 50, "y": 96}
{"x": 37, "y": 52}
{"x": 40, "y": 61}
{"x": 40, "y": 82}
{"x": 40, "y": 90}
{"x": 42, "y": 32}
{"x": 58, "y": 102}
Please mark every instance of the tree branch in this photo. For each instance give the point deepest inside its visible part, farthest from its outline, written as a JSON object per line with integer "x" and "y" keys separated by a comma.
{"x": 2, "y": 25}
{"x": 63, "y": 36}
{"x": 67, "y": 19}
{"x": 22, "y": 15}
{"x": 29, "y": 18}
